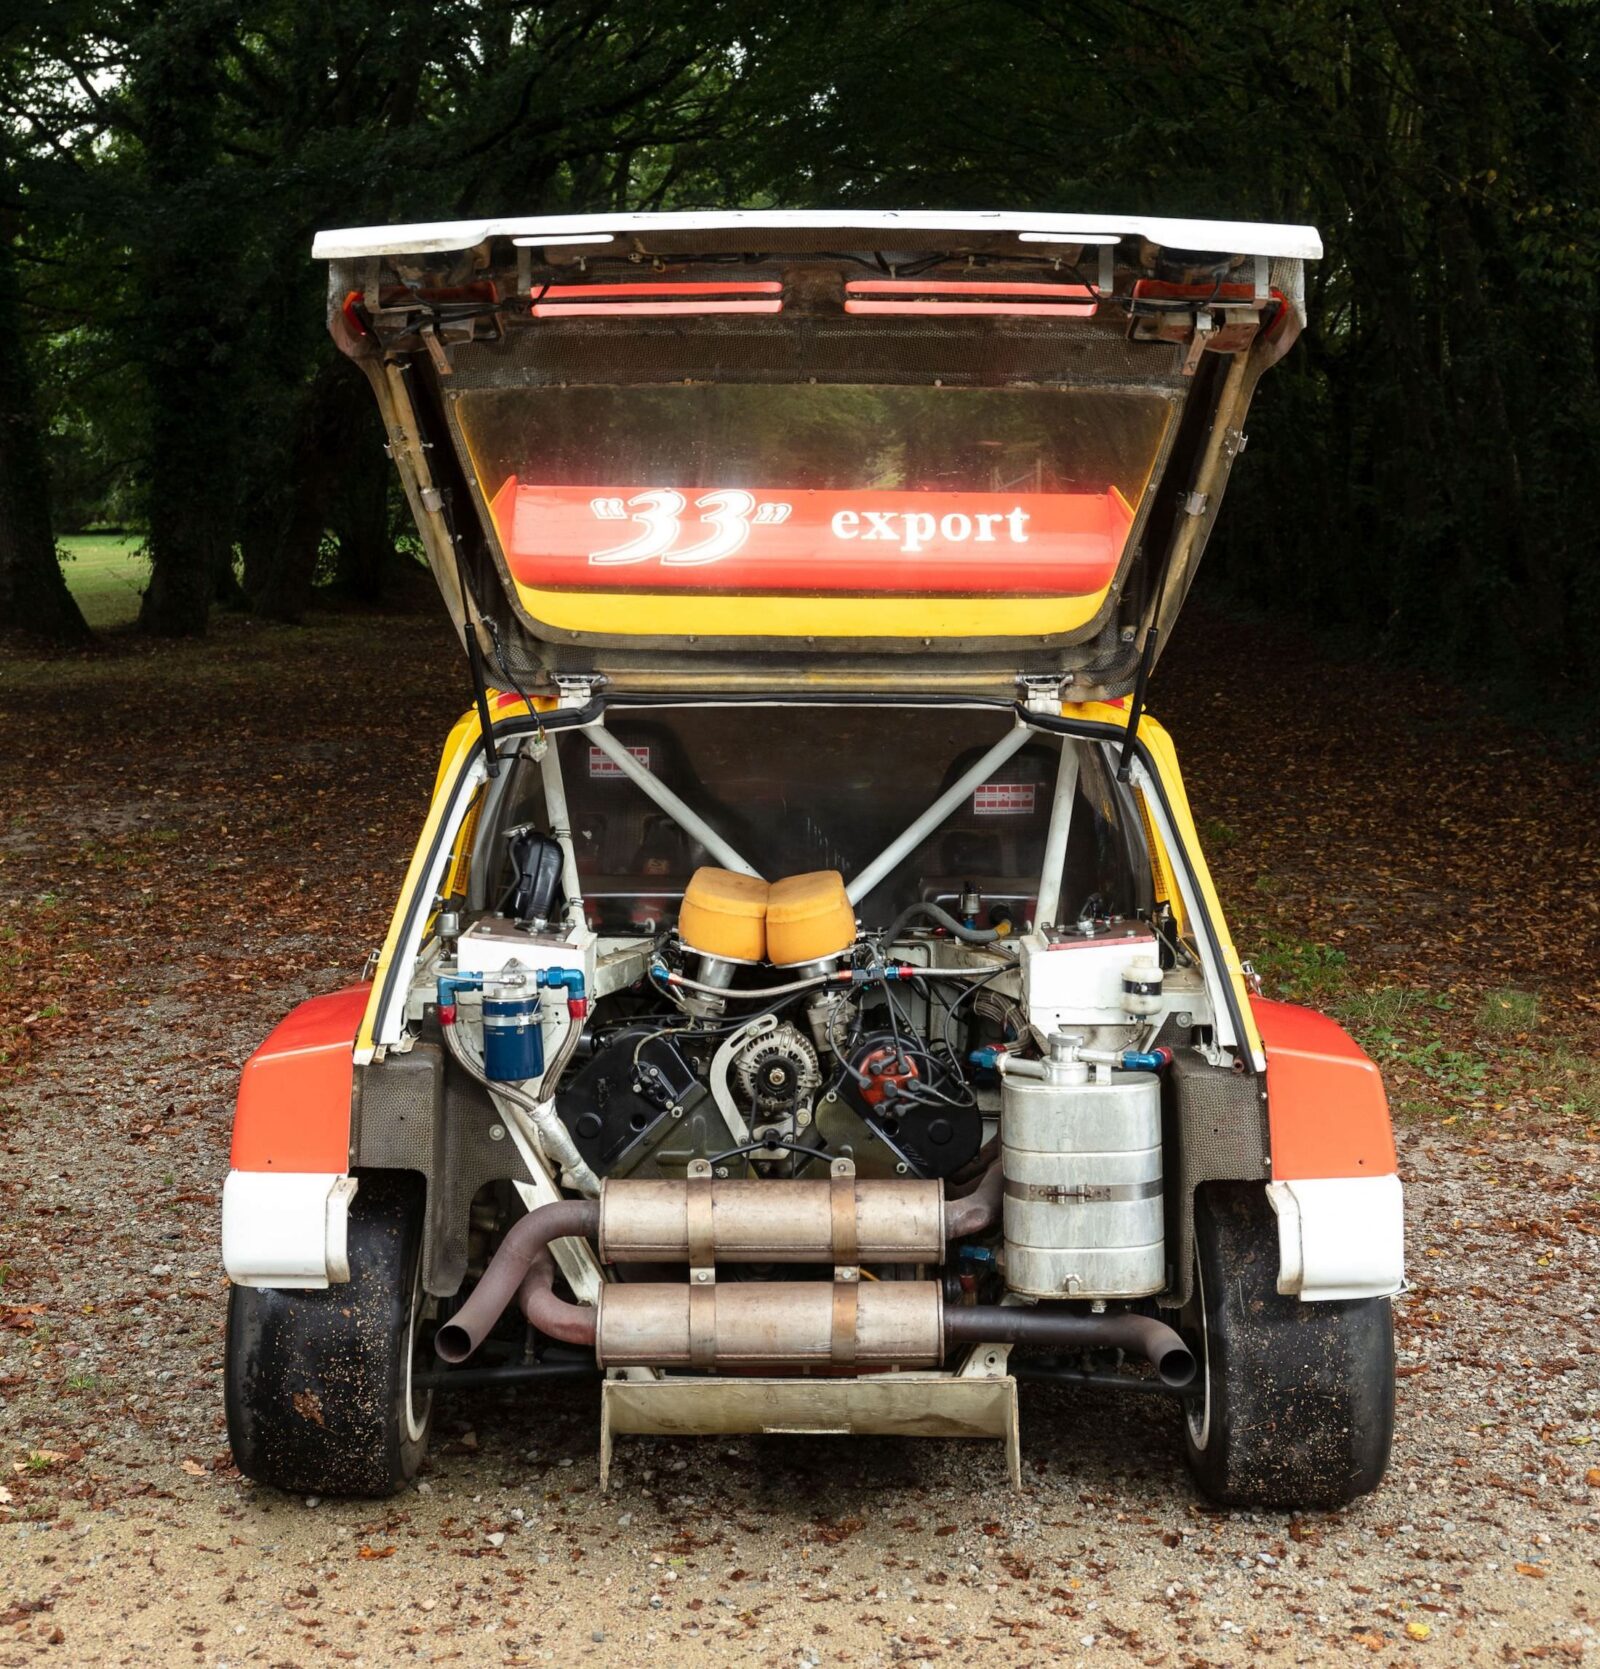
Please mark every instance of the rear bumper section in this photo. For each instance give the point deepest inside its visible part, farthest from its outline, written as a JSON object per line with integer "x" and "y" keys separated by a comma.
{"x": 286, "y": 1228}
{"x": 1340, "y": 1236}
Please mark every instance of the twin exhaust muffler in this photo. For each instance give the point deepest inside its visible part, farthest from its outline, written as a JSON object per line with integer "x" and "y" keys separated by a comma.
{"x": 843, "y": 1325}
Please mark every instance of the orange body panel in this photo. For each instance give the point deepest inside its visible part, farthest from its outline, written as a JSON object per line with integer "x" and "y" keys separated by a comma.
{"x": 293, "y": 1112}
{"x": 1326, "y": 1108}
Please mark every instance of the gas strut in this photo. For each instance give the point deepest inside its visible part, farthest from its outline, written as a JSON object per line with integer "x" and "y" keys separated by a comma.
{"x": 1136, "y": 707}
{"x": 469, "y": 605}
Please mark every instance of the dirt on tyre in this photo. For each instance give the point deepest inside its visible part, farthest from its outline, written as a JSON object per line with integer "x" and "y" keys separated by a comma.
{"x": 318, "y": 1384}
{"x": 1293, "y": 1403}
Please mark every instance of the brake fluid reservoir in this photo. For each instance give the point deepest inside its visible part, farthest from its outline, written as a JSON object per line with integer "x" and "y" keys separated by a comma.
{"x": 1082, "y": 1167}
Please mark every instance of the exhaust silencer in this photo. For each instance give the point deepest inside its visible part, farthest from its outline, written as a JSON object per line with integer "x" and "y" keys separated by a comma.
{"x": 847, "y": 1325}
{"x": 837, "y": 1220}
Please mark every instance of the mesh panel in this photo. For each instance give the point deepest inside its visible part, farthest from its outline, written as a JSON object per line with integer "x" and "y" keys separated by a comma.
{"x": 412, "y": 1116}
{"x": 1219, "y": 1122}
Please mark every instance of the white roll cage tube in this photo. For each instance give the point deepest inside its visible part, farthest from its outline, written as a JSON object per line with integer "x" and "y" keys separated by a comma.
{"x": 922, "y": 826}
{"x": 1055, "y": 840}
{"x": 687, "y": 819}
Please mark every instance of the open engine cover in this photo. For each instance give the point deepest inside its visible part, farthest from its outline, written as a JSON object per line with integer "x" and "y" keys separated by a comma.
{"x": 749, "y": 450}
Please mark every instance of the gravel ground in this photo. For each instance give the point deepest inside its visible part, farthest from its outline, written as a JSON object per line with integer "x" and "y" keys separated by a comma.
{"x": 126, "y": 1536}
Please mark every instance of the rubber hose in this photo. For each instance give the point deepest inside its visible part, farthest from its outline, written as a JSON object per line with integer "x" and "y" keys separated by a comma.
{"x": 936, "y": 913}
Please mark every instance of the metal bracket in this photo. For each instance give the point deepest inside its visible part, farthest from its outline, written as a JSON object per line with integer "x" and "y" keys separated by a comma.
{"x": 1041, "y": 692}
{"x": 1204, "y": 329}
{"x": 436, "y": 352}
{"x": 891, "y": 1405}
{"x": 576, "y": 689}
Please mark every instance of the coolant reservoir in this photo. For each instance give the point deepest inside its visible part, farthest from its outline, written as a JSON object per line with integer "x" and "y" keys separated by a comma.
{"x": 809, "y": 918}
{"x": 724, "y": 915}
{"x": 1082, "y": 1166}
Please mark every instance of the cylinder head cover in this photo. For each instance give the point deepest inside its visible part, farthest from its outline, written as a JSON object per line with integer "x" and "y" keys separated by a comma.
{"x": 809, "y": 918}
{"x": 724, "y": 914}
{"x": 1083, "y": 1205}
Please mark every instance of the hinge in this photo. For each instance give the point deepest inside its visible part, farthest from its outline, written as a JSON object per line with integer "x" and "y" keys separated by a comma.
{"x": 577, "y": 689}
{"x": 1041, "y": 691}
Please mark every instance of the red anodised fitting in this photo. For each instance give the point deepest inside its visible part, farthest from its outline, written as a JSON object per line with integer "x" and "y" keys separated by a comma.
{"x": 447, "y": 1014}
{"x": 578, "y": 1007}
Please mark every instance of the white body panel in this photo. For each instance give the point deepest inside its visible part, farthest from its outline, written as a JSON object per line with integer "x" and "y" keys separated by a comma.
{"x": 286, "y": 1228}
{"x": 1340, "y": 1236}
{"x": 1077, "y": 982}
{"x": 1235, "y": 237}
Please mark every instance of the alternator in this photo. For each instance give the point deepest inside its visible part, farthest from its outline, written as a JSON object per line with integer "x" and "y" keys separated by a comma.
{"x": 778, "y": 1071}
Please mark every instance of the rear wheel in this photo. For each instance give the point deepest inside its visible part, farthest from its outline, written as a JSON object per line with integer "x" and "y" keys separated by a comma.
{"x": 1294, "y": 1402}
{"x": 319, "y": 1387}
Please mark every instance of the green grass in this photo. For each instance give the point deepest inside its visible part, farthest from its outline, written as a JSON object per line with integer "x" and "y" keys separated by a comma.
{"x": 106, "y": 573}
{"x": 1506, "y": 1011}
{"x": 1299, "y": 969}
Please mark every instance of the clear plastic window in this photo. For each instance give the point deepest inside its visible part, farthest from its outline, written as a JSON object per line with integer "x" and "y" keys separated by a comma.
{"x": 814, "y": 487}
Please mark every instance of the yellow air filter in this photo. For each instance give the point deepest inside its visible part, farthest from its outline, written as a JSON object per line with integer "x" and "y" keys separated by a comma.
{"x": 725, "y": 914}
{"x": 809, "y": 917}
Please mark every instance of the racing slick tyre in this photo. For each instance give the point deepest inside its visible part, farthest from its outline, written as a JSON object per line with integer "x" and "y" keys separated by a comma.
{"x": 318, "y": 1383}
{"x": 1293, "y": 1403}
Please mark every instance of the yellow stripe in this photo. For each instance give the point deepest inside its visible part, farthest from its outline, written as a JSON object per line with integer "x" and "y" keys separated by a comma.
{"x": 458, "y": 745}
{"x": 1164, "y": 756}
{"x": 687, "y": 614}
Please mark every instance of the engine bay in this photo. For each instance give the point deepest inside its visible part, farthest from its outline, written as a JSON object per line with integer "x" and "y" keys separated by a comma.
{"x": 979, "y": 1035}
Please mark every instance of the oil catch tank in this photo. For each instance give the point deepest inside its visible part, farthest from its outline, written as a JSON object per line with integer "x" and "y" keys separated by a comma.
{"x": 1081, "y": 1157}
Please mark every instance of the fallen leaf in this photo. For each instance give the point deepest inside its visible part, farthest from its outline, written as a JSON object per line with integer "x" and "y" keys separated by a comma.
{"x": 1418, "y": 1631}
{"x": 365, "y": 1552}
{"x": 193, "y": 1468}
{"x": 1532, "y": 1570}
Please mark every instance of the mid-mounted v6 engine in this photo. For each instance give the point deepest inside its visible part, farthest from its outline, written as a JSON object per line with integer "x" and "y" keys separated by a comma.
{"x": 644, "y": 1106}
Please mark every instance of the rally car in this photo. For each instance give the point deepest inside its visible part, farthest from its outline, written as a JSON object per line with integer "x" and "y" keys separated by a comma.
{"x": 807, "y": 1008}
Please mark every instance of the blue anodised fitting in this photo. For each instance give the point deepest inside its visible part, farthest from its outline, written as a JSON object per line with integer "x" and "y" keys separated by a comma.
{"x": 445, "y": 993}
{"x": 1135, "y": 1060}
{"x": 986, "y": 1057}
{"x": 981, "y": 1255}
{"x": 569, "y": 980}
{"x": 889, "y": 970}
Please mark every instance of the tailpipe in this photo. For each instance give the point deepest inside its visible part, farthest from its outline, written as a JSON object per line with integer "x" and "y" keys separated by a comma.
{"x": 1140, "y": 1335}
{"x": 523, "y": 1268}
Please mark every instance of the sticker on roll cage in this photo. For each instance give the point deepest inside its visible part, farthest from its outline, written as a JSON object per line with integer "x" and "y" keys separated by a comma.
{"x": 1003, "y": 799}
{"x": 603, "y": 766}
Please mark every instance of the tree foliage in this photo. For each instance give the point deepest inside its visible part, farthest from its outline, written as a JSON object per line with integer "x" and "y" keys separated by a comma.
{"x": 1421, "y": 459}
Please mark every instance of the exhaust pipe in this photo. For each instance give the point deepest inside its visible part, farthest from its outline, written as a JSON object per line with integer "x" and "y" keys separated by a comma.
{"x": 1140, "y": 1335}
{"x": 846, "y": 1325}
{"x": 523, "y": 1266}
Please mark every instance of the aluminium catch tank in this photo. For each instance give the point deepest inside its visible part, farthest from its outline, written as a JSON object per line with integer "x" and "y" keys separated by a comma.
{"x": 1083, "y": 1185}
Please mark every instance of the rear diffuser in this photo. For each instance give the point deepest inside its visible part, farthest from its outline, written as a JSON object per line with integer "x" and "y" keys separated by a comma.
{"x": 894, "y": 1405}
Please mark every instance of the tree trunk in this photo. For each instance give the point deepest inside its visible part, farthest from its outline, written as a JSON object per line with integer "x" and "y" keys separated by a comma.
{"x": 33, "y": 592}
{"x": 183, "y": 280}
{"x": 360, "y": 511}
{"x": 318, "y": 457}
